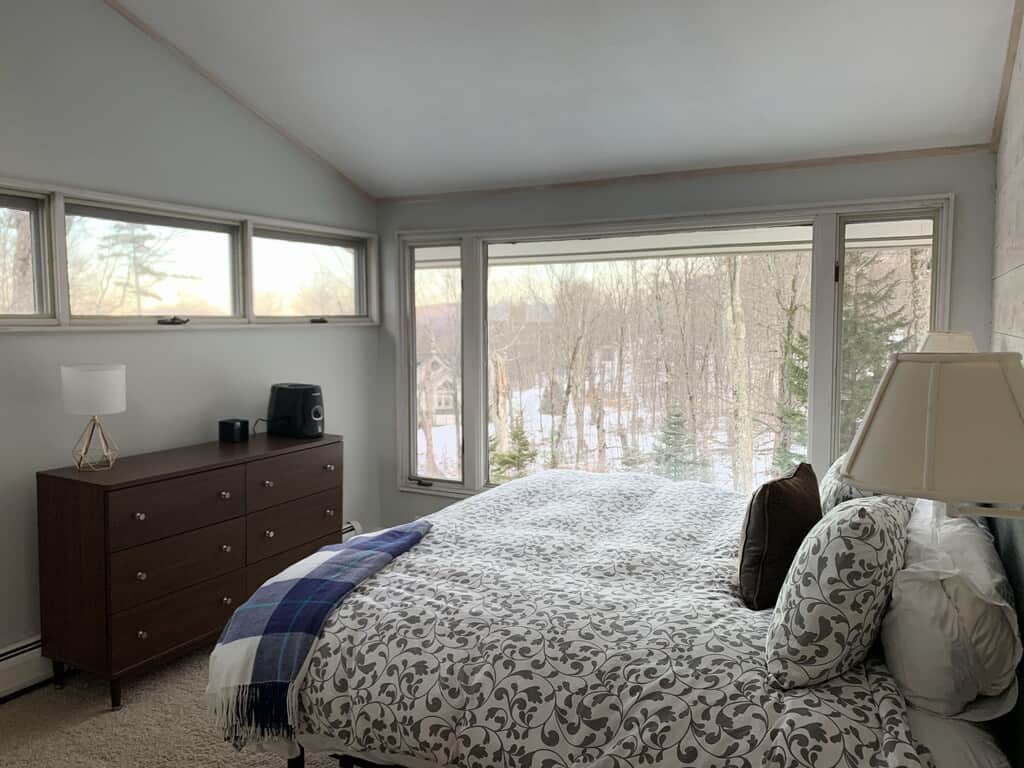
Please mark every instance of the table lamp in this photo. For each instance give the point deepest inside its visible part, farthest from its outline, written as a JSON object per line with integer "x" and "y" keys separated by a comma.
{"x": 947, "y": 426}
{"x": 93, "y": 390}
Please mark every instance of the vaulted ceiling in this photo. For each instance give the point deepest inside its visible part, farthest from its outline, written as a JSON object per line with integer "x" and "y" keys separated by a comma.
{"x": 419, "y": 96}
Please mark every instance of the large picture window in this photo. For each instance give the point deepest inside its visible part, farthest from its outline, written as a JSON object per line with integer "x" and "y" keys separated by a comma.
{"x": 681, "y": 354}
{"x": 724, "y": 352}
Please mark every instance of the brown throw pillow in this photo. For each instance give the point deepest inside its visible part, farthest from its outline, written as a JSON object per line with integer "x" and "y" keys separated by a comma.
{"x": 779, "y": 515}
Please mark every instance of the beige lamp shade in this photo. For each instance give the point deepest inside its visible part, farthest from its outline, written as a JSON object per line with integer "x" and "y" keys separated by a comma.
{"x": 948, "y": 427}
{"x": 948, "y": 341}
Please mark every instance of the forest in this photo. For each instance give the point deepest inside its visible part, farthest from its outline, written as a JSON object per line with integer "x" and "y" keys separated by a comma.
{"x": 691, "y": 365}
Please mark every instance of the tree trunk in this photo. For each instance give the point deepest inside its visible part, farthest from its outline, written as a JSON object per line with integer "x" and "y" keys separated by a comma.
{"x": 739, "y": 365}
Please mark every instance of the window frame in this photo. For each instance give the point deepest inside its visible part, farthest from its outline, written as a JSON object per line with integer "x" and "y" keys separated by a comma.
{"x": 319, "y": 236}
{"x": 938, "y": 300}
{"x": 53, "y": 201}
{"x": 408, "y": 404}
{"x": 144, "y": 215}
{"x": 38, "y": 207}
{"x": 826, "y": 290}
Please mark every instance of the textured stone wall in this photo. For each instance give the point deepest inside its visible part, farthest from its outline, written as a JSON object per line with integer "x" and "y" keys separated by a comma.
{"x": 1008, "y": 267}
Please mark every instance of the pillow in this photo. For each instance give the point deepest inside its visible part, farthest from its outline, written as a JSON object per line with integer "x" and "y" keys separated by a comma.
{"x": 950, "y": 637}
{"x": 954, "y": 743}
{"x": 834, "y": 596}
{"x": 779, "y": 515}
{"x": 835, "y": 491}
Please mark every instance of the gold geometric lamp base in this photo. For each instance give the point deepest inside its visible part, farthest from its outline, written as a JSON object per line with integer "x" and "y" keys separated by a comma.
{"x": 95, "y": 450}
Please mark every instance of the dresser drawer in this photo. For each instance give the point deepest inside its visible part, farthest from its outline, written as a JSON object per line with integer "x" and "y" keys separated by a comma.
{"x": 275, "y": 530}
{"x": 164, "y": 624}
{"x": 258, "y": 573}
{"x": 151, "y": 570}
{"x": 273, "y": 481}
{"x": 156, "y": 510}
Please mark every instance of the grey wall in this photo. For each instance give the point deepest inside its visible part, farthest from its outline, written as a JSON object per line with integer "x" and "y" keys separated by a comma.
{"x": 970, "y": 176}
{"x": 1008, "y": 269}
{"x": 89, "y": 101}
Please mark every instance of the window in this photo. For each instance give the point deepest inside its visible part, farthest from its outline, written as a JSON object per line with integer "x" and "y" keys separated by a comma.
{"x": 886, "y": 278}
{"x": 437, "y": 359}
{"x": 298, "y": 275}
{"x": 24, "y": 280}
{"x": 722, "y": 349}
{"x": 127, "y": 264}
{"x": 681, "y": 354}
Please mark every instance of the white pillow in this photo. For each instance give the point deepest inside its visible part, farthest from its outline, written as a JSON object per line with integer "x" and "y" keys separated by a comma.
{"x": 950, "y": 635}
{"x": 954, "y": 743}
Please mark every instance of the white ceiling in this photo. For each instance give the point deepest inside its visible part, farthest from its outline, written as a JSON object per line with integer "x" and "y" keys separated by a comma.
{"x": 414, "y": 96}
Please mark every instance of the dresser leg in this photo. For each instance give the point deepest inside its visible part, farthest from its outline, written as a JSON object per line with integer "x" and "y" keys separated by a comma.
{"x": 58, "y": 674}
{"x": 115, "y": 693}
{"x": 299, "y": 761}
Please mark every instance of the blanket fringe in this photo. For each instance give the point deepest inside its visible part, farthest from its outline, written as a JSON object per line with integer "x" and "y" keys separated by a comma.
{"x": 251, "y": 713}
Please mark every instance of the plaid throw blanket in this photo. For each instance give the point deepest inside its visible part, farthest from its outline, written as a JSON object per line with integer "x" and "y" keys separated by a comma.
{"x": 260, "y": 660}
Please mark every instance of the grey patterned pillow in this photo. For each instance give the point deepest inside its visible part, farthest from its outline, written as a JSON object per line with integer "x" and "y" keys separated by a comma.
{"x": 834, "y": 491}
{"x": 832, "y": 603}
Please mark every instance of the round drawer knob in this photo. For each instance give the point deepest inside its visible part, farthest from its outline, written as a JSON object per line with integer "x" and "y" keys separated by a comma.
{"x": 226, "y": 600}
{"x": 328, "y": 513}
{"x": 142, "y": 634}
{"x": 225, "y": 548}
{"x": 268, "y": 483}
{"x": 269, "y": 533}
{"x": 140, "y": 516}
{"x": 141, "y": 576}
{"x": 225, "y": 495}
{"x": 328, "y": 467}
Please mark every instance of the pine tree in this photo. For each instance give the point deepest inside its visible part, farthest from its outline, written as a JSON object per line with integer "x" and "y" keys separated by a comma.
{"x": 139, "y": 258}
{"x": 874, "y": 327}
{"x": 513, "y": 463}
{"x": 675, "y": 455}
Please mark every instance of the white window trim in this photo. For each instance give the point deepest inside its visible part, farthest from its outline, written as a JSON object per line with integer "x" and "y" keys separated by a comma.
{"x": 60, "y": 319}
{"x": 826, "y": 256}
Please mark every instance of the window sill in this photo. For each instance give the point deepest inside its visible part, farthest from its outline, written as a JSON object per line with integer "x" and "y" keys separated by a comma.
{"x": 195, "y": 325}
{"x": 434, "y": 490}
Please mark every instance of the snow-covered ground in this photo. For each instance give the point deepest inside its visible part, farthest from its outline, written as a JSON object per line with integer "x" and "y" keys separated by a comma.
{"x": 538, "y": 427}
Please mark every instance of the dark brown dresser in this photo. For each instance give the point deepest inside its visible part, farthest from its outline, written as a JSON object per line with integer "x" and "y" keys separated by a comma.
{"x": 146, "y": 561}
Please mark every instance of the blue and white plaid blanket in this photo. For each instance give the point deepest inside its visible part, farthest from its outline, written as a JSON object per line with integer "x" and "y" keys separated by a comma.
{"x": 261, "y": 658}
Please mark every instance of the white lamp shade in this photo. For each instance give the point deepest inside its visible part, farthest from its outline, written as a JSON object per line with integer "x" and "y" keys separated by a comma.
{"x": 93, "y": 390}
{"x": 948, "y": 341}
{"x": 944, "y": 426}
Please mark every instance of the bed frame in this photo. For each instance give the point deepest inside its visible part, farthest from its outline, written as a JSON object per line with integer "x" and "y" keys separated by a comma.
{"x": 1009, "y": 535}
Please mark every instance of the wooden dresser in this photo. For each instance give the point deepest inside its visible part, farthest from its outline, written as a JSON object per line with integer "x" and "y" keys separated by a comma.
{"x": 147, "y": 561}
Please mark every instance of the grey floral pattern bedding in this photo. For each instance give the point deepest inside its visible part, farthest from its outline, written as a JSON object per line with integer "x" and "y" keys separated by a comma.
{"x": 571, "y": 619}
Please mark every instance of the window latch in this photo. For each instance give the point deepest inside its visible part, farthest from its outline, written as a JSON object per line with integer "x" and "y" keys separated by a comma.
{"x": 424, "y": 483}
{"x": 173, "y": 320}
{"x": 318, "y": 320}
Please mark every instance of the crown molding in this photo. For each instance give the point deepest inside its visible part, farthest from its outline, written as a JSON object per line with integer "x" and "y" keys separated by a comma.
{"x": 782, "y": 165}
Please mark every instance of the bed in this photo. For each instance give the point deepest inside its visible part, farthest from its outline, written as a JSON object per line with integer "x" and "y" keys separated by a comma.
{"x": 578, "y": 619}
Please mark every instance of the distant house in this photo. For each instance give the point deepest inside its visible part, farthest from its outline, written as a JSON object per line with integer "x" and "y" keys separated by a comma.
{"x": 436, "y": 386}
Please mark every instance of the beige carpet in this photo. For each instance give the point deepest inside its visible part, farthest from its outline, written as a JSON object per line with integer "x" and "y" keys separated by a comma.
{"x": 162, "y": 723}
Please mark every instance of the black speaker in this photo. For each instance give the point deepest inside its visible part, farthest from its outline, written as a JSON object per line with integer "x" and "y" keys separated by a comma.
{"x": 295, "y": 410}
{"x": 234, "y": 430}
